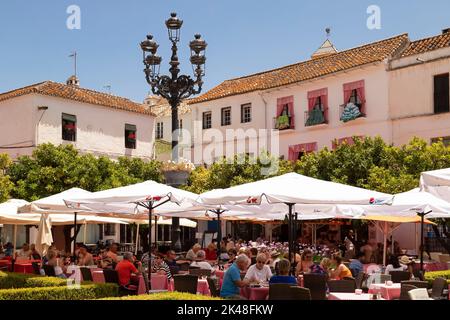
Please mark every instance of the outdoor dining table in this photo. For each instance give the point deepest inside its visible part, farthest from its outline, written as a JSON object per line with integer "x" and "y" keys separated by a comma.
{"x": 349, "y": 296}
{"x": 387, "y": 292}
{"x": 255, "y": 293}
{"x": 159, "y": 282}
{"x": 23, "y": 266}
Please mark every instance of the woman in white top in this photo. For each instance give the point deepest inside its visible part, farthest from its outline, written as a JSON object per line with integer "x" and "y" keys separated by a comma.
{"x": 201, "y": 263}
{"x": 259, "y": 272}
{"x": 24, "y": 253}
{"x": 396, "y": 265}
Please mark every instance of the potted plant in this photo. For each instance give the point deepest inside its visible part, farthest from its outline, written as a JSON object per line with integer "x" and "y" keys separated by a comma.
{"x": 177, "y": 173}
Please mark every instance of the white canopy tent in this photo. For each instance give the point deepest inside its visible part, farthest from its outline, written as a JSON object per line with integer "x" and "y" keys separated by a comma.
{"x": 437, "y": 183}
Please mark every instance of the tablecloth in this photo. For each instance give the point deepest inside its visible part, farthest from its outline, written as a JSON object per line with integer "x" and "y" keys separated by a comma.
{"x": 260, "y": 293}
{"x": 387, "y": 292}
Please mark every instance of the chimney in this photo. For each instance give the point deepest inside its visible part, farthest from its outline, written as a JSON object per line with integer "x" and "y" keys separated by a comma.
{"x": 445, "y": 31}
{"x": 73, "y": 81}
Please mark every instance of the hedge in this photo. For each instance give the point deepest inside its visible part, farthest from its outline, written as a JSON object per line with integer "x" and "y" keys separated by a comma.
{"x": 84, "y": 292}
{"x": 11, "y": 280}
{"x": 166, "y": 296}
{"x": 430, "y": 276}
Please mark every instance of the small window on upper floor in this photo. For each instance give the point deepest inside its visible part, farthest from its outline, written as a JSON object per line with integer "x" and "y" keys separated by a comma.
{"x": 130, "y": 136}
{"x": 159, "y": 130}
{"x": 207, "y": 120}
{"x": 69, "y": 127}
{"x": 226, "y": 116}
{"x": 246, "y": 113}
{"x": 441, "y": 93}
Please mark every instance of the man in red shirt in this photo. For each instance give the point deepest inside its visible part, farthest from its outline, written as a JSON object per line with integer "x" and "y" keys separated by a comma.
{"x": 125, "y": 269}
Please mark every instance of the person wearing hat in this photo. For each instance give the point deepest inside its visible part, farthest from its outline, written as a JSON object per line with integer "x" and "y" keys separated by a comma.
{"x": 396, "y": 264}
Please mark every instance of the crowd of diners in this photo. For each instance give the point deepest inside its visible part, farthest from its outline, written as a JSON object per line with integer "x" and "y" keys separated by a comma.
{"x": 244, "y": 263}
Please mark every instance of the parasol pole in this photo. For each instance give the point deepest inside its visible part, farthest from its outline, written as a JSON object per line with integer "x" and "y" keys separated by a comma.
{"x": 137, "y": 239}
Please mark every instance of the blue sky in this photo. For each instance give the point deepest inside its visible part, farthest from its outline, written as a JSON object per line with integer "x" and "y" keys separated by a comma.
{"x": 244, "y": 36}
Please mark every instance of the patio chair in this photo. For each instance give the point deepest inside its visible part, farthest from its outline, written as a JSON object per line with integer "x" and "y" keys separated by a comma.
{"x": 419, "y": 294}
{"x": 418, "y": 284}
{"x": 405, "y": 288}
{"x": 184, "y": 266}
{"x": 86, "y": 273}
{"x": 419, "y": 275}
{"x": 174, "y": 269}
{"x": 36, "y": 268}
{"x": 213, "y": 287}
{"x": 360, "y": 279}
{"x": 317, "y": 285}
{"x": 279, "y": 291}
{"x": 49, "y": 270}
{"x": 200, "y": 272}
{"x": 185, "y": 283}
{"x": 298, "y": 293}
{"x": 342, "y": 286}
{"x": 437, "y": 291}
{"x": 399, "y": 276}
{"x": 111, "y": 276}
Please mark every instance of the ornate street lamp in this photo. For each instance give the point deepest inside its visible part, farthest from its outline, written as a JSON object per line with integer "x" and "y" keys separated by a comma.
{"x": 174, "y": 88}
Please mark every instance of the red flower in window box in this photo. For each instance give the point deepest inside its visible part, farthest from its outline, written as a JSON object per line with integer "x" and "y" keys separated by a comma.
{"x": 69, "y": 126}
{"x": 132, "y": 136}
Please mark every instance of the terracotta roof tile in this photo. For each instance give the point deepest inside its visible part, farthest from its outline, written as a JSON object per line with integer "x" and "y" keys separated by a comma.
{"x": 310, "y": 69}
{"x": 50, "y": 88}
{"x": 428, "y": 44}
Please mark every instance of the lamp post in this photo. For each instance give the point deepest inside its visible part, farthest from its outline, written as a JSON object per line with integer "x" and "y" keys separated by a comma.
{"x": 174, "y": 88}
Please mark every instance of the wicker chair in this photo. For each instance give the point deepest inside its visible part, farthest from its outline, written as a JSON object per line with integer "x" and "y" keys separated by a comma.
{"x": 184, "y": 266}
{"x": 418, "y": 284}
{"x": 399, "y": 276}
{"x": 342, "y": 286}
{"x": 86, "y": 273}
{"x": 279, "y": 291}
{"x": 437, "y": 291}
{"x": 49, "y": 270}
{"x": 317, "y": 285}
{"x": 298, "y": 293}
{"x": 360, "y": 279}
{"x": 111, "y": 276}
{"x": 185, "y": 283}
{"x": 200, "y": 272}
{"x": 405, "y": 288}
{"x": 213, "y": 287}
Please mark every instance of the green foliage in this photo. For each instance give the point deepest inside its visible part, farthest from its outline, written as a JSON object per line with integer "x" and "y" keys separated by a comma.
{"x": 53, "y": 169}
{"x": 6, "y": 186}
{"x": 84, "y": 292}
{"x": 10, "y": 280}
{"x": 166, "y": 296}
{"x": 239, "y": 170}
{"x": 430, "y": 276}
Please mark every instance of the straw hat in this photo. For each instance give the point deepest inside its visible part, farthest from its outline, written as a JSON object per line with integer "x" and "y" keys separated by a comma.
{"x": 404, "y": 260}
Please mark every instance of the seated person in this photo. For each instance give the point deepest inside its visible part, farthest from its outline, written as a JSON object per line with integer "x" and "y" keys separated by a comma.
{"x": 341, "y": 270}
{"x": 211, "y": 251}
{"x": 232, "y": 253}
{"x": 171, "y": 258}
{"x": 284, "y": 266}
{"x": 57, "y": 263}
{"x": 125, "y": 269}
{"x": 306, "y": 261}
{"x": 34, "y": 254}
{"x": 192, "y": 253}
{"x": 112, "y": 252}
{"x": 232, "y": 278}
{"x": 104, "y": 261}
{"x": 356, "y": 265}
{"x": 160, "y": 267}
{"x": 201, "y": 263}
{"x": 85, "y": 259}
{"x": 259, "y": 272}
{"x": 24, "y": 253}
{"x": 396, "y": 265}
{"x": 322, "y": 268}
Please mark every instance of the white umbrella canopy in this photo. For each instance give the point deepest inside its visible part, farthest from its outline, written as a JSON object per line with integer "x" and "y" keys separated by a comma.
{"x": 437, "y": 183}
{"x": 44, "y": 238}
{"x": 55, "y": 204}
{"x": 124, "y": 200}
{"x": 292, "y": 188}
{"x": 406, "y": 204}
{"x": 165, "y": 221}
